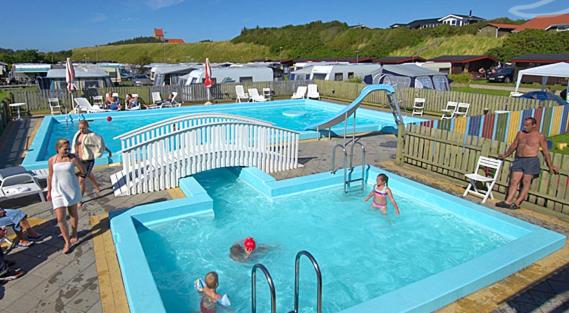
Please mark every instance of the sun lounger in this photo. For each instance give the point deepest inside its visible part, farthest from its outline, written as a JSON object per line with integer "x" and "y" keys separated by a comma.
{"x": 255, "y": 96}
{"x": 300, "y": 93}
{"x": 241, "y": 94}
{"x": 83, "y": 105}
{"x": 20, "y": 185}
{"x": 313, "y": 92}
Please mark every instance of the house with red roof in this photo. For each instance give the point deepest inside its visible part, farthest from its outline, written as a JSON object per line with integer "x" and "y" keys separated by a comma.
{"x": 556, "y": 22}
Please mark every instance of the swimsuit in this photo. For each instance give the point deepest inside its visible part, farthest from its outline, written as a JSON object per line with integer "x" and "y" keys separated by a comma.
{"x": 382, "y": 194}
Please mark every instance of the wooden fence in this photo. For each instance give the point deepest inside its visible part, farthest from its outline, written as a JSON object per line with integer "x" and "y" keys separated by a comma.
{"x": 435, "y": 100}
{"x": 5, "y": 113}
{"x": 454, "y": 155}
{"x": 37, "y": 100}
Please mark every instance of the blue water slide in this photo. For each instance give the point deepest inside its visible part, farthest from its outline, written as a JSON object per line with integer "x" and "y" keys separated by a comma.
{"x": 352, "y": 107}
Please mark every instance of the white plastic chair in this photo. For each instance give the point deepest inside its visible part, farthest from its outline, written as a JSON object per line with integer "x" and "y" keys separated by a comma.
{"x": 83, "y": 105}
{"x": 418, "y": 106}
{"x": 488, "y": 180}
{"x": 462, "y": 109}
{"x": 300, "y": 93}
{"x": 448, "y": 112}
{"x": 267, "y": 93}
{"x": 313, "y": 92}
{"x": 156, "y": 98}
{"x": 54, "y": 105}
{"x": 241, "y": 94}
{"x": 254, "y": 94}
{"x": 98, "y": 100}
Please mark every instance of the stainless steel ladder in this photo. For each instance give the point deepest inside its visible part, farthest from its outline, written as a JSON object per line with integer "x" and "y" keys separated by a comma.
{"x": 297, "y": 280}
{"x": 296, "y": 284}
{"x": 254, "y": 288}
{"x": 348, "y": 163}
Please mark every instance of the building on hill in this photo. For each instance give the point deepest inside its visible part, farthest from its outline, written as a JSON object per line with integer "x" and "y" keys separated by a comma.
{"x": 557, "y": 22}
{"x": 497, "y": 29}
{"x": 467, "y": 63}
{"x": 174, "y": 40}
{"x": 450, "y": 19}
{"x": 460, "y": 20}
{"x": 159, "y": 34}
{"x": 400, "y": 59}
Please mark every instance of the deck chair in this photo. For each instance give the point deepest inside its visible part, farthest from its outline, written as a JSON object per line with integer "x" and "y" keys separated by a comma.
{"x": 462, "y": 109}
{"x": 267, "y": 93}
{"x": 157, "y": 101}
{"x": 241, "y": 94}
{"x": 313, "y": 92}
{"x": 488, "y": 165}
{"x": 448, "y": 112}
{"x": 54, "y": 106}
{"x": 300, "y": 93}
{"x": 83, "y": 105}
{"x": 255, "y": 96}
{"x": 418, "y": 106}
{"x": 20, "y": 185}
{"x": 98, "y": 100}
{"x": 171, "y": 103}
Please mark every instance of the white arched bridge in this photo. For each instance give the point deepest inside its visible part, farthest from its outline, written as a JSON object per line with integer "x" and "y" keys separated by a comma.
{"x": 156, "y": 156}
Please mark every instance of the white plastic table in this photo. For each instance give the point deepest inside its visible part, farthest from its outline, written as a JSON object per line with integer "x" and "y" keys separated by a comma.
{"x": 17, "y": 106}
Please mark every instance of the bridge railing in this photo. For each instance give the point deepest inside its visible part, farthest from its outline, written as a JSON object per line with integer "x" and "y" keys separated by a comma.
{"x": 159, "y": 162}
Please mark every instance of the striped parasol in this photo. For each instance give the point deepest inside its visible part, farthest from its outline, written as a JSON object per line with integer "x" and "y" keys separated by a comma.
{"x": 70, "y": 76}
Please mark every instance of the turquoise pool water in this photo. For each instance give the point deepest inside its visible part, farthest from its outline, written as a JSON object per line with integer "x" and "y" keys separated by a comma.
{"x": 287, "y": 114}
{"x": 362, "y": 254}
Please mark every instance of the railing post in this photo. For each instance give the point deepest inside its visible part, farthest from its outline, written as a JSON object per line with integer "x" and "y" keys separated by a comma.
{"x": 400, "y": 144}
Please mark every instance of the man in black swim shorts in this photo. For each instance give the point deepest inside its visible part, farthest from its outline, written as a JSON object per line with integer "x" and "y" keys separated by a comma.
{"x": 526, "y": 165}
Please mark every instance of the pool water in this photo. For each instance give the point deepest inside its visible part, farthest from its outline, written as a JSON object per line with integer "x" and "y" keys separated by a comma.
{"x": 296, "y": 116}
{"x": 362, "y": 254}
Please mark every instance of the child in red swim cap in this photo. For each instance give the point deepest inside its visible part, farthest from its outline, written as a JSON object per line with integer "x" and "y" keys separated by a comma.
{"x": 241, "y": 253}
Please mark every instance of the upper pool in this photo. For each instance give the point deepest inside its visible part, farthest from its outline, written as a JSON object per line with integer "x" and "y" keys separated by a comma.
{"x": 291, "y": 114}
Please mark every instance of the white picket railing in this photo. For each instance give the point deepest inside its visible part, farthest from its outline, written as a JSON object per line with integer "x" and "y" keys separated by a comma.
{"x": 155, "y": 157}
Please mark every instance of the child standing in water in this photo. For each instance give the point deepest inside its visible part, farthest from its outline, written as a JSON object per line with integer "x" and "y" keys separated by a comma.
{"x": 210, "y": 297}
{"x": 379, "y": 193}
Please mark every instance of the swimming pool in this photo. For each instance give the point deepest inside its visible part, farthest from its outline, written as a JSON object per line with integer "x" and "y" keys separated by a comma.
{"x": 440, "y": 249}
{"x": 291, "y": 114}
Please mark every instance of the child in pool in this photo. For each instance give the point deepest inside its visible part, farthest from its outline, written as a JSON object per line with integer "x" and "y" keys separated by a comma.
{"x": 379, "y": 193}
{"x": 241, "y": 253}
{"x": 210, "y": 297}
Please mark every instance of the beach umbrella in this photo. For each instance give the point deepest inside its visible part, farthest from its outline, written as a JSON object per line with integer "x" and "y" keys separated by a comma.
{"x": 70, "y": 78}
{"x": 207, "y": 81}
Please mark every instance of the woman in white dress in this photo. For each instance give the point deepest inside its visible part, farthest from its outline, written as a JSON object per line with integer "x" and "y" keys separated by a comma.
{"x": 64, "y": 191}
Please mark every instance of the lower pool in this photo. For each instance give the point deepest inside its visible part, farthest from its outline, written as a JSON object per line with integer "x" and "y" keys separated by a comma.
{"x": 290, "y": 114}
{"x": 438, "y": 250}
{"x": 361, "y": 253}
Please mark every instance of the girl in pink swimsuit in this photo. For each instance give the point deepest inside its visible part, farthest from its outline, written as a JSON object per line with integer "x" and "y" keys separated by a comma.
{"x": 379, "y": 193}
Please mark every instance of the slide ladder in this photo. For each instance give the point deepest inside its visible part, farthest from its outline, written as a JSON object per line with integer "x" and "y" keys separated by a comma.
{"x": 271, "y": 284}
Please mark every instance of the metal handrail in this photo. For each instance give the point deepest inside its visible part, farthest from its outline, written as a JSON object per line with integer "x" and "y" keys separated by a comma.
{"x": 363, "y": 159}
{"x": 297, "y": 280}
{"x": 254, "y": 288}
{"x": 333, "y": 168}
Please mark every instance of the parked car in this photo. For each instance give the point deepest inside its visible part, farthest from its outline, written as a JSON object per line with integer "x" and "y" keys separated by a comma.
{"x": 502, "y": 75}
{"x": 544, "y": 96}
{"x": 141, "y": 80}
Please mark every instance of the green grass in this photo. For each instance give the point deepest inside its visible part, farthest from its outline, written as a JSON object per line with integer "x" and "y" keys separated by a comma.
{"x": 564, "y": 138}
{"x": 172, "y": 53}
{"x": 482, "y": 91}
{"x": 461, "y": 44}
{"x": 536, "y": 86}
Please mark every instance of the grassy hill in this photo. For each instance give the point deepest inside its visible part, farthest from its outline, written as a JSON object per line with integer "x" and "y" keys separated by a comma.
{"x": 156, "y": 52}
{"x": 461, "y": 44}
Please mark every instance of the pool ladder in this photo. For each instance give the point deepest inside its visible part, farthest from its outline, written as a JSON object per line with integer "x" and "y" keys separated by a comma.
{"x": 348, "y": 163}
{"x": 296, "y": 284}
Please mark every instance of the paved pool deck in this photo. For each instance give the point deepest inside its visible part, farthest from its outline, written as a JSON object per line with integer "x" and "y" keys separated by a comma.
{"x": 87, "y": 280}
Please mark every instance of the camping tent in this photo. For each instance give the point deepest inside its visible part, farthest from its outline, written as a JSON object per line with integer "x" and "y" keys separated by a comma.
{"x": 560, "y": 69}
{"x": 409, "y": 75}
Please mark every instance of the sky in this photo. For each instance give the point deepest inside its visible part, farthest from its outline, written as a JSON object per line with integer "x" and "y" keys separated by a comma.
{"x": 52, "y": 25}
